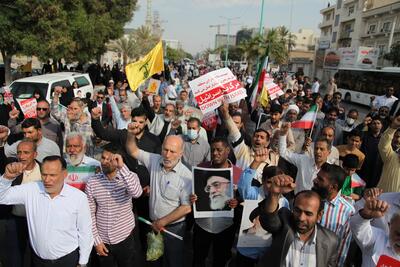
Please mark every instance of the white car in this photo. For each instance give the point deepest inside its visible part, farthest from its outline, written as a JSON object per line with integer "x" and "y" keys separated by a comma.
{"x": 24, "y": 88}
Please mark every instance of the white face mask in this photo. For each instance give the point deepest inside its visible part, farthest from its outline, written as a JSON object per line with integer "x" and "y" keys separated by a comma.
{"x": 192, "y": 134}
{"x": 350, "y": 121}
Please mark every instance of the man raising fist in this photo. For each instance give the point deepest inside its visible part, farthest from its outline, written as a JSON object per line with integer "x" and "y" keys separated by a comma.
{"x": 375, "y": 242}
{"x": 297, "y": 237}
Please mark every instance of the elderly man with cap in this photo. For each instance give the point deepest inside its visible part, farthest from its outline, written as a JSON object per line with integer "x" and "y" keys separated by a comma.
{"x": 298, "y": 134}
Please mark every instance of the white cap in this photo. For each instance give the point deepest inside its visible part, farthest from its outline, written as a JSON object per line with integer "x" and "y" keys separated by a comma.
{"x": 111, "y": 81}
{"x": 293, "y": 107}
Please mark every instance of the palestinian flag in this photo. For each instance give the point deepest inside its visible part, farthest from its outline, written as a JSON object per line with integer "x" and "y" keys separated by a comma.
{"x": 308, "y": 119}
{"x": 356, "y": 181}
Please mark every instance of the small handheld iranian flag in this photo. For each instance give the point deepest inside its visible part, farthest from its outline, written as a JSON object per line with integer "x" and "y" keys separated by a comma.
{"x": 308, "y": 119}
{"x": 356, "y": 181}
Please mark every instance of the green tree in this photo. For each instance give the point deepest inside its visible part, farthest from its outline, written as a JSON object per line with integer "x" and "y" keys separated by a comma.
{"x": 177, "y": 54}
{"x": 75, "y": 30}
{"x": 394, "y": 55}
{"x": 126, "y": 46}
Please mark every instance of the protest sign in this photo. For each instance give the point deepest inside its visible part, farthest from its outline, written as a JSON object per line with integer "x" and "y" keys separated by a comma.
{"x": 79, "y": 175}
{"x": 386, "y": 261}
{"x": 274, "y": 90}
{"x": 251, "y": 233}
{"x": 153, "y": 86}
{"x": 211, "y": 89}
{"x": 28, "y": 107}
{"x": 214, "y": 188}
{"x": 210, "y": 121}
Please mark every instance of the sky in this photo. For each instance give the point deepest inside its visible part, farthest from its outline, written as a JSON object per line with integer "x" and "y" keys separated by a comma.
{"x": 188, "y": 20}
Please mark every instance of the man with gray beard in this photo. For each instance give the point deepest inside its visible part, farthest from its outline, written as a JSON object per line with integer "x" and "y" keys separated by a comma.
{"x": 80, "y": 167}
{"x": 218, "y": 187}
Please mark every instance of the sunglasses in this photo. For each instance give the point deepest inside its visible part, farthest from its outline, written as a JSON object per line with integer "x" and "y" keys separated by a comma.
{"x": 44, "y": 109}
{"x": 100, "y": 97}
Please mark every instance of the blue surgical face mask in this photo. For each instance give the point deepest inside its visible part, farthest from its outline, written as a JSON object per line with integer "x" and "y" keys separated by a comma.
{"x": 192, "y": 134}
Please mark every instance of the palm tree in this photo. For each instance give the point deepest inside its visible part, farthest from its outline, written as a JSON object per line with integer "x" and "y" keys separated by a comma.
{"x": 145, "y": 40}
{"x": 126, "y": 45}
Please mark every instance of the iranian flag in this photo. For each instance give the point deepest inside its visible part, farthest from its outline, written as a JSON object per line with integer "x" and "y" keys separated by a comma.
{"x": 356, "y": 181}
{"x": 308, "y": 119}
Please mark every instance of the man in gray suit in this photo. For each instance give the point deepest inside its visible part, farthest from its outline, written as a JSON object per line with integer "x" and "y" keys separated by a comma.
{"x": 297, "y": 238}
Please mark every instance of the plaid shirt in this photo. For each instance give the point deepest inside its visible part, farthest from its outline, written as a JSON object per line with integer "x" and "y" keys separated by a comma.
{"x": 336, "y": 218}
{"x": 302, "y": 254}
{"x": 85, "y": 128}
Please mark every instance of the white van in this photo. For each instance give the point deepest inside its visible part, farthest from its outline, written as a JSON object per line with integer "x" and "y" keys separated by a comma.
{"x": 25, "y": 87}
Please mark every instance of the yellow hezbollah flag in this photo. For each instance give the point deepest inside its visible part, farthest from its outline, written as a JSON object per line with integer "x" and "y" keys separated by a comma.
{"x": 141, "y": 70}
{"x": 264, "y": 97}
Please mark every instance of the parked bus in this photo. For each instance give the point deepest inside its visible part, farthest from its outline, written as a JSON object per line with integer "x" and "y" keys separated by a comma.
{"x": 358, "y": 85}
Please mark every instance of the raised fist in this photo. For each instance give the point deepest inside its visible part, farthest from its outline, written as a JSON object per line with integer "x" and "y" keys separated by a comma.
{"x": 13, "y": 170}
{"x": 3, "y": 133}
{"x": 57, "y": 90}
{"x": 372, "y": 193}
{"x": 280, "y": 184}
{"x": 284, "y": 128}
{"x": 117, "y": 161}
{"x": 96, "y": 113}
{"x": 14, "y": 114}
{"x": 374, "y": 208}
{"x": 261, "y": 155}
{"x": 224, "y": 110}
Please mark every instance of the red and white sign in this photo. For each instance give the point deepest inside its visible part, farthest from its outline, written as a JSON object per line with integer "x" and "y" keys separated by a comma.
{"x": 274, "y": 91}
{"x": 210, "y": 121}
{"x": 28, "y": 107}
{"x": 386, "y": 261}
{"x": 211, "y": 89}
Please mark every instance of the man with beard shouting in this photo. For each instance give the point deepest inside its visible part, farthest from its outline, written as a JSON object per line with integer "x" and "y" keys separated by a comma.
{"x": 298, "y": 239}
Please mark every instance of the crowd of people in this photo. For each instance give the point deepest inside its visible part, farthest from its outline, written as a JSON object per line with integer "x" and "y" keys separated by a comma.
{"x": 75, "y": 181}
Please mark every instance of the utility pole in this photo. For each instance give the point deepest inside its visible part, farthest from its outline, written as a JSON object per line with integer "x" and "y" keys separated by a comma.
{"x": 227, "y": 38}
{"x": 260, "y": 28}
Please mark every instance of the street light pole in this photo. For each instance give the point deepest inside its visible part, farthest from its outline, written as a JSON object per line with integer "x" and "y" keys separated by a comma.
{"x": 260, "y": 28}
{"x": 227, "y": 37}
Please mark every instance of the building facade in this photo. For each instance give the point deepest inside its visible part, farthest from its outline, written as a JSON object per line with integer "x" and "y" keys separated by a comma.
{"x": 302, "y": 52}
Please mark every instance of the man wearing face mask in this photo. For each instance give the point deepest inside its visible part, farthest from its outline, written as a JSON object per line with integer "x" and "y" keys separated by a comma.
{"x": 197, "y": 150}
{"x": 337, "y": 210}
{"x": 349, "y": 123}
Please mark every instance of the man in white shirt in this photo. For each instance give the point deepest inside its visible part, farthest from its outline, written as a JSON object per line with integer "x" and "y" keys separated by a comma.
{"x": 387, "y": 99}
{"x": 307, "y": 167}
{"x": 172, "y": 95}
{"x": 315, "y": 86}
{"x": 80, "y": 167}
{"x": 327, "y": 133}
{"x": 32, "y": 130}
{"x": 58, "y": 215}
{"x": 375, "y": 242}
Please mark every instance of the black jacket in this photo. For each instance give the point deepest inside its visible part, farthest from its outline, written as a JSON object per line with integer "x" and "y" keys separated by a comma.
{"x": 149, "y": 142}
{"x": 281, "y": 225}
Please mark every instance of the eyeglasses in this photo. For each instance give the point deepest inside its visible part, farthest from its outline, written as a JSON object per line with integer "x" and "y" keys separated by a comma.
{"x": 44, "y": 109}
{"x": 216, "y": 185}
{"x": 100, "y": 97}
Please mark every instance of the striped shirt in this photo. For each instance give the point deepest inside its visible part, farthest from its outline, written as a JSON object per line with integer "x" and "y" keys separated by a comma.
{"x": 336, "y": 218}
{"x": 302, "y": 254}
{"x": 110, "y": 203}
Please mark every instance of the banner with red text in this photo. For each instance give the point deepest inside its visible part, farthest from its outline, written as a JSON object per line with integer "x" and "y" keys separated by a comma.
{"x": 28, "y": 107}
{"x": 211, "y": 89}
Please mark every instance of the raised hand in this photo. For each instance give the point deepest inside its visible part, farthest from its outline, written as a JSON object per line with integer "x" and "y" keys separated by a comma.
{"x": 307, "y": 143}
{"x": 13, "y": 170}
{"x": 110, "y": 91}
{"x": 281, "y": 184}
{"x": 96, "y": 113}
{"x": 57, "y": 90}
{"x": 261, "y": 155}
{"x": 372, "y": 193}
{"x": 224, "y": 110}
{"x": 175, "y": 124}
{"x": 117, "y": 161}
{"x": 284, "y": 128}
{"x": 14, "y": 113}
{"x": 3, "y": 133}
{"x": 374, "y": 208}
